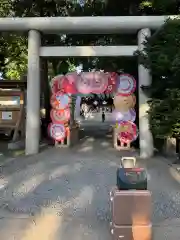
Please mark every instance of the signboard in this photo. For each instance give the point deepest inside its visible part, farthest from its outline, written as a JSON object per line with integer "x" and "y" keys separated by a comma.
{"x": 10, "y": 101}
{"x": 6, "y": 115}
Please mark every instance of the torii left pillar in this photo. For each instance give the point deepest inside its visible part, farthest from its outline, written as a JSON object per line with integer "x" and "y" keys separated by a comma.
{"x": 33, "y": 94}
{"x": 145, "y": 136}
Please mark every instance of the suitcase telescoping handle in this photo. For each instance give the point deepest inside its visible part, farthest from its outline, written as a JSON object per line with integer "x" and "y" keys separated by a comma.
{"x": 128, "y": 162}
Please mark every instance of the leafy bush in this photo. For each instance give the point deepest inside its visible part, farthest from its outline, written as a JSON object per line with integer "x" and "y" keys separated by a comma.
{"x": 162, "y": 56}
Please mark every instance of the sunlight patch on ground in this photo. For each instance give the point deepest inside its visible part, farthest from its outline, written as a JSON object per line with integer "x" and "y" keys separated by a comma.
{"x": 48, "y": 224}
{"x": 28, "y": 186}
{"x": 85, "y": 197}
{"x": 60, "y": 171}
{"x": 86, "y": 149}
{"x": 90, "y": 140}
{"x": 114, "y": 164}
{"x": 3, "y": 183}
{"x": 45, "y": 227}
{"x": 105, "y": 144}
{"x": 64, "y": 170}
{"x": 77, "y": 203}
{"x": 81, "y": 201}
{"x": 18, "y": 152}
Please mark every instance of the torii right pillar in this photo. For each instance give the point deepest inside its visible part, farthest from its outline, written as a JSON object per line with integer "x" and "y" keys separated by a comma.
{"x": 145, "y": 136}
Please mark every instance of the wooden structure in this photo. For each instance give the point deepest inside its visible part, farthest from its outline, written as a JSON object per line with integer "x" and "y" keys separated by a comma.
{"x": 13, "y": 84}
{"x": 12, "y": 110}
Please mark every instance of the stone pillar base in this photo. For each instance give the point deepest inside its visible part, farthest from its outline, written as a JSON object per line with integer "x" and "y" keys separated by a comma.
{"x": 169, "y": 148}
{"x": 73, "y": 138}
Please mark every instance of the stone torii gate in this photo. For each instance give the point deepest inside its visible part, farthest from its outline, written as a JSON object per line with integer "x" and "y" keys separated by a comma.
{"x": 81, "y": 25}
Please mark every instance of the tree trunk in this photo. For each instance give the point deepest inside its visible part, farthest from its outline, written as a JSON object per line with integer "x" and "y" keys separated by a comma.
{"x": 72, "y": 110}
{"x": 46, "y": 88}
{"x": 55, "y": 63}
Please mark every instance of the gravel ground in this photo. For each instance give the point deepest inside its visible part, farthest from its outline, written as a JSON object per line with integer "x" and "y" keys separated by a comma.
{"x": 64, "y": 194}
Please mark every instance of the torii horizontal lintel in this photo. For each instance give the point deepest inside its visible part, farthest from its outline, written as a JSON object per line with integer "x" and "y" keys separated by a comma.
{"x": 88, "y": 51}
{"x": 81, "y": 25}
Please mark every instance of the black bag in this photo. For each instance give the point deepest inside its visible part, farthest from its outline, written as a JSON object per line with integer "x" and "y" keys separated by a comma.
{"x": 131, "y": 178}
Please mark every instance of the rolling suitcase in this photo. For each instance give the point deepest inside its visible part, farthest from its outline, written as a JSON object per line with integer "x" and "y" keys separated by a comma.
{"x": 131, "y": 232}
{"x": 130, "y": 207}
{"x": 131, "y": 215}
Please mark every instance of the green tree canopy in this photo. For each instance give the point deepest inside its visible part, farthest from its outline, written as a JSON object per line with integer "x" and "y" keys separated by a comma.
{"x": 10, "y": 47}
{"x": 162, "y": 56}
